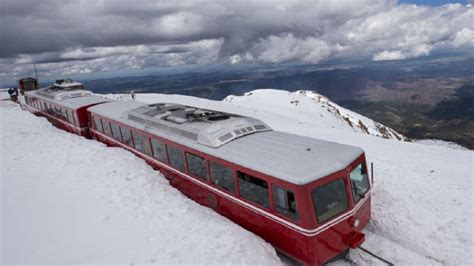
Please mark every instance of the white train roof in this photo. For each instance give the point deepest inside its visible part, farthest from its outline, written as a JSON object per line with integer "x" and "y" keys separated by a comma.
{"x": 293, "y": 158}
{"x": 68, "y": 98}
{"x": 207, "y": 127}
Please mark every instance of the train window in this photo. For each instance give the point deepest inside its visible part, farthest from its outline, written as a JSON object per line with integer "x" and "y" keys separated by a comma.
{"x": 285, "y": 202}
{"x": 253, "y": 189}
{"x": 116, "y": 132}
{"x": 222, "y": 177}
{"x": 159, "y": 150}
{"x": 359, "y": 182}
{"x": 57, "y": 111}
{"x": 127, "y": 137}
{"x": 330, "y": 200}
{"x": 106, "y": 127}
{"x": 97, "y": 123}
{"x": 139, "y": 141}
{"x": 64, "y": 114}
{"x": 197, "y": 166}
{"x": 71, "y": 117}
{"x": 176, "y": 157}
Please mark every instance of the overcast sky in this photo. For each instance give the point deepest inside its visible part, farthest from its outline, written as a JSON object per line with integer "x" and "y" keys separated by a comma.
{"x": 72, "y": 37}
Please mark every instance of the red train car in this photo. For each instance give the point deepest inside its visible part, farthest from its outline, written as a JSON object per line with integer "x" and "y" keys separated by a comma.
{"x": 309, "y": 198}
{"x": 64, "y": 104}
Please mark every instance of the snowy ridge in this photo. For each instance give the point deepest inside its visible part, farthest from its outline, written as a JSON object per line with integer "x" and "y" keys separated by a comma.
{"x": 322, "y": 106}
{"x": 358, "y": 122}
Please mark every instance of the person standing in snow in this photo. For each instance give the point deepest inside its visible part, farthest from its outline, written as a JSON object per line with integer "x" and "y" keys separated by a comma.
{"x": 133, "y": 95}
{"x": 13, "y": 94}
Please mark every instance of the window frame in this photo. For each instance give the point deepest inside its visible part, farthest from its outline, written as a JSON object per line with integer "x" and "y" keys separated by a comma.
{"x": 97, "y": 121}
{"x": 181, "y": 152}
{"x": 240, "y": 180}
{"x": 112, "y": 124}
{"x": 351, "y": 183}
{"x": 130, "y": 143}
{"x": 109, "y": 132}
{"x": 137, "y": 134}
{"x": 346, "y": 193}
{"x": 232, "y": 176}
{"x": 286, "y": 212}
{"x": 153, "y": 150}
{"x": 204, "y": 161}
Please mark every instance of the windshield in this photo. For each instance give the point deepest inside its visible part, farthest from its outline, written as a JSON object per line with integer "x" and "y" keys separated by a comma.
{"x": 359, "y": 182}
{"x": 330, "y": 200}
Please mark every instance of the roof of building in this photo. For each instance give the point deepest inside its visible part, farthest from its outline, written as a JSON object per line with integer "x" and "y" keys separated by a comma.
{"x": 293, "y": 158}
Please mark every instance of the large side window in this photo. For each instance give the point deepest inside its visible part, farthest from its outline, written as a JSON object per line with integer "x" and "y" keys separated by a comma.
{"x": 70, "y": 115}
{"x": 106, "y": 126}
{"x": 116, "y": 132}
{"x": 253, "y": 189}
{"x": 139, "y": 141}
{"x": 330, "y": 200}
{"x": 197, "y": 166}
{"x": 127, "y": 137}
{"x": 98, "y": 124}
{"x": 359, "y": 182}
{"x": 159, "y": 150}
{"x": 176, "y": 157}
{"x": 222, "y": 176}
{"x": 285, "y": 202}
{"x": 64, "y": 114}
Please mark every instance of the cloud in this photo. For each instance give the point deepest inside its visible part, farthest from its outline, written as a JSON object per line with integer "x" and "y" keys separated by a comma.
{"x": 90, "y": 36}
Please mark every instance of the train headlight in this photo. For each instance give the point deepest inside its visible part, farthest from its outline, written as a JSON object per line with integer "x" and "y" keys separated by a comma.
{"x": 354, "y": 222}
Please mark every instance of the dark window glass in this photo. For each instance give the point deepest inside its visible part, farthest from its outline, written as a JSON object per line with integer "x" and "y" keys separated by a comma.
{"x": 285, "y": 202}
{"x": 359, "y": 182}
{"x": 70, "y": 116}
{"x": 116, "y": 132}
{"x": 222, "y": 177}
{"x": 197, "y": 166}
{"x": 57, "y": 111}
{"x": 330, "y": 200}
{"x": 64, "y": 114}
{"x": 98, "y": 125}
{"x": 176, "y": 158}
{"x": 253, "y": 189}
{"x": 106, "y": 127}
{"x": 139, "y": 141}
{"x": 127, "y": 137}
{"x": 159, "y": 150}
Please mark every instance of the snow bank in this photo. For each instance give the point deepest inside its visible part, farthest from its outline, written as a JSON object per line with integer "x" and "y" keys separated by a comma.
{"x": 66, "y": 199}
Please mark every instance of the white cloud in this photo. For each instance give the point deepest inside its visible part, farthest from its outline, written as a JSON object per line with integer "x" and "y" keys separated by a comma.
{"x": 115, "y": 35}
{"x": 389, "y": 55}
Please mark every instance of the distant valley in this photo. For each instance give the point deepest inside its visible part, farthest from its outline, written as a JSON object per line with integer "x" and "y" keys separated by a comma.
{"x": 421, "y": 98}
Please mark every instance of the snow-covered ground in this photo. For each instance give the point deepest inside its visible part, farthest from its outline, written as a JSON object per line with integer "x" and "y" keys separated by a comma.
{"x": 68, "y": 199}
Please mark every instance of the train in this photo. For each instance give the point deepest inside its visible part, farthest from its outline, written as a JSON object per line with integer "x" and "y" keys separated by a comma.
{"x": 309, "y": 198}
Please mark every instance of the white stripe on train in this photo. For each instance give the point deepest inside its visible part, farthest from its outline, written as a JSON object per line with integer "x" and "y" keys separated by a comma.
{"x": 307, "y": 232}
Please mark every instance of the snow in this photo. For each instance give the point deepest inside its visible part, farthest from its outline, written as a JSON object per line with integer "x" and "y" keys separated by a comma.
{"x": 66, "y": 199}
{"x": 115, "y": 209}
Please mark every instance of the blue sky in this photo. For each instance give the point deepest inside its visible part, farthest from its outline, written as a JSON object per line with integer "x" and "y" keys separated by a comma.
{"x": 432, "y": 2}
